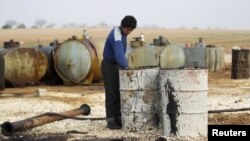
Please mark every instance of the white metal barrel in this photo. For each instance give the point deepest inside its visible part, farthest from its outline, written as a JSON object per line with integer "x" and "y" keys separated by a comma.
{"x": 140, "y": 99}
{"x": 145, "y": 56}
{"x": 195, "y": 57}
{"x": 215, "y": 58}
{"x": 220, "y": 57}
{"x": 184, "y": 101}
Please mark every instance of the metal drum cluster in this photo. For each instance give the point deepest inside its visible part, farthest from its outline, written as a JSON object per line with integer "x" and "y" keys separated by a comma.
{"x": 74, "y": 61}
{"x": 165, "y": 88}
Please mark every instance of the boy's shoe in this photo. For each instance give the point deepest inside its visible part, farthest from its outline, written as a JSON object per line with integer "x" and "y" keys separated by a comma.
{"x": 118, "y": 120}
{"x": 112, "y": 124}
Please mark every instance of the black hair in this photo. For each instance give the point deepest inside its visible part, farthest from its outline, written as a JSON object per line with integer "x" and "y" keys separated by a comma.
{"x": 129, "y": 21}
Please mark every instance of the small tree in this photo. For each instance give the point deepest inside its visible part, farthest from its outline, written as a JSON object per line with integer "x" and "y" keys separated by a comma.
{"x": 103, "y": 24}
{"x": 82, "y": 25}
{"x": 34, "y": 26}
{"x": 51, "y": 25}
{"x": 40, "y": 22}
{"x": 69, "y": 25}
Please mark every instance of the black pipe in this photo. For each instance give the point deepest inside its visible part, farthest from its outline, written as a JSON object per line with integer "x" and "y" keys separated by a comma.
{"x": 229, "y": 110}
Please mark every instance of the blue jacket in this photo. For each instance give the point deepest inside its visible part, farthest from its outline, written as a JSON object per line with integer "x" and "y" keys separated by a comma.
{"x": 115, "y": 48}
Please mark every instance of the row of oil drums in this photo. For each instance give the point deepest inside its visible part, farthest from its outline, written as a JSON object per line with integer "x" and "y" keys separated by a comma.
{"x": 74, "y": 61}
{"x": 177, "y": 56}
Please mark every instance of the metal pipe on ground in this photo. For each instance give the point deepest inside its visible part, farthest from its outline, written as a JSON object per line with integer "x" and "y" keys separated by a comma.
{"x": 229, "y": 110}
{"x": 9, "y": 128}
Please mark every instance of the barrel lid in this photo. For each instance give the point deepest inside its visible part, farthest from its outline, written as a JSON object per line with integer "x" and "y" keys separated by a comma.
{"x": 72, "y": 61}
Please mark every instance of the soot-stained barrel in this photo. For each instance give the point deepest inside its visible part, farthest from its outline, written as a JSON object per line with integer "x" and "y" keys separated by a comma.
{"x": 184, "y": 101}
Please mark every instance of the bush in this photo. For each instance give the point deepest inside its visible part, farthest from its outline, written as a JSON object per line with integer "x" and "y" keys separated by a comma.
{"x": 21, "y": 26}
{"x": 6, "y": 26}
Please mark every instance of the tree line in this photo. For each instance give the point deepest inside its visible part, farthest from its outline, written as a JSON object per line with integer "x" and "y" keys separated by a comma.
{"x": 41, "y": 23}
{"x": 38, "y": 24}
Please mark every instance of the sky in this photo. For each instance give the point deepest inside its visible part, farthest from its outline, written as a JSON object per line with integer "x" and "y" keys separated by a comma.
{"x": 228, "y": 14}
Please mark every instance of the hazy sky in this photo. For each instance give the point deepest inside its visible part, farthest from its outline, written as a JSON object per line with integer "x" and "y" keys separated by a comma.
{"x": 232, "y": 14}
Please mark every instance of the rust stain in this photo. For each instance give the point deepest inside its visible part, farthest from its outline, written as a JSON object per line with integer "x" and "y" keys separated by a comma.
{"x": 25, "y": 66}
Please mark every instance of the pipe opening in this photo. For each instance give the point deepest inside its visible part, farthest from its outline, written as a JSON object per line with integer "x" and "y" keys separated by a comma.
{"x": 86, "y": 109}
{"x": 7, "y": 128}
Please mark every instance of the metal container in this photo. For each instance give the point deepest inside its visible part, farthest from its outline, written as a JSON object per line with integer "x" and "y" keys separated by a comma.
{"x": 76, "y": 62}
{"x": 11, "y": 44}
{"x": 172, "y": 57}
{"x": 147, "y": 56}
{"x": 99, "y": 46}
{"x": 95, "y": 74}
{"x": 2, "y": 78}
{"x": 215, "y": 58}
{"x": 24, "y": 65}
{"x": 240, "y": 64}
{"x": 161, "y": 41}
{"x": 51, "y": 77}
{"x": 140, "y": 99}
{"x": 195, "y": 57}
{"x": 137, "y": 44}
{"x": 184, "y": 101}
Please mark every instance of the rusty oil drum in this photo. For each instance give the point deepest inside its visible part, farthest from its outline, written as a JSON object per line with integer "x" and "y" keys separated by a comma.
{"x": 76, "y": 62}
{"x": 24, "y": 65}
{"x": 51, "y": 77}
{"x": 240, "y": 64}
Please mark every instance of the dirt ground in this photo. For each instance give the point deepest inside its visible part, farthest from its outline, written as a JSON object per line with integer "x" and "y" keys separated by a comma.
{"x": 223, "y": 93}
{"x": 221, "y": 85}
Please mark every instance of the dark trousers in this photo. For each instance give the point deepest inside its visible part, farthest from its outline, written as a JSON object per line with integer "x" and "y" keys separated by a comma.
{"x": 110, "y": 72}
